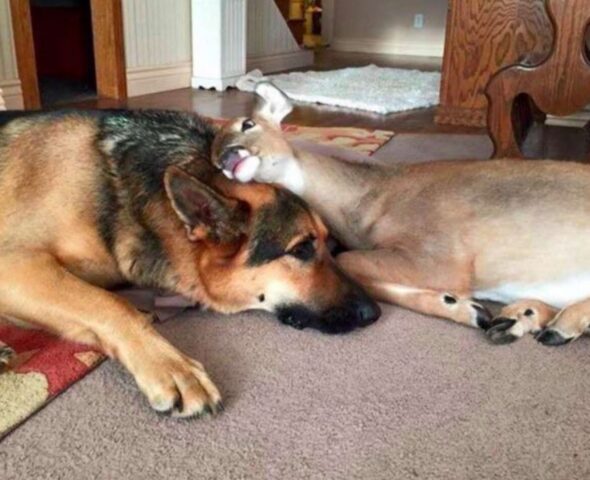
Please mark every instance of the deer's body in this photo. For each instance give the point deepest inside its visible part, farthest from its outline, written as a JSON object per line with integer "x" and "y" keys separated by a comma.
{"x": 514, "y": 229}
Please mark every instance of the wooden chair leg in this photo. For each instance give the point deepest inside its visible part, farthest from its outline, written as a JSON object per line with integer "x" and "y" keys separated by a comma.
{"x": 500, "y": 119}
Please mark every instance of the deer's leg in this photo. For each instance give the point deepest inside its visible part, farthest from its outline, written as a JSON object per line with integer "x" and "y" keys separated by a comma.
{"x": 391, "y": 277}
{"x": 519, "y": 318}
{"x": 569, "y": 324}
{"x": 34, "y": 287}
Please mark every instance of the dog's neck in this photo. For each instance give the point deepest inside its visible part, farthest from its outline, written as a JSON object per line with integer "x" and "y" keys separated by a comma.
{"x": 161, "y": 256}
{"x": 334, "y": 188}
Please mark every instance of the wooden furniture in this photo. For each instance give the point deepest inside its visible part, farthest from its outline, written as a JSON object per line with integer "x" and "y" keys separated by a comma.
{"x": 484, "y": 36}
{"x": 559, "y": 86}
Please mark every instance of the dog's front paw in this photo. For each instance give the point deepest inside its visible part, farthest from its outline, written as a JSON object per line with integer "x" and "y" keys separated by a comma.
{"x": 177, "y": 385}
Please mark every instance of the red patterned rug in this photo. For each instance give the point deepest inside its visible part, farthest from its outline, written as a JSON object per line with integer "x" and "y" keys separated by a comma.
{"x": 44, "y": 365}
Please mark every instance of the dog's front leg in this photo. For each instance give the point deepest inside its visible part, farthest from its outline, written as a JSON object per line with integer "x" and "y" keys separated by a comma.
{"x": 36, "y": 288}
{"x": 392, "y": 277}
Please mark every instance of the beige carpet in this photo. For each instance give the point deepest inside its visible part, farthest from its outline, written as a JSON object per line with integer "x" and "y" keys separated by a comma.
{"x": 409, "y": 397}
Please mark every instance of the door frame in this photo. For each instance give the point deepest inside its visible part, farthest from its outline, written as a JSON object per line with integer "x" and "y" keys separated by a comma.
{"x": 108, "y": 46}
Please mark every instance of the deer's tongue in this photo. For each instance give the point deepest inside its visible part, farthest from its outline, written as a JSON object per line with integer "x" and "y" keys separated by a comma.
{"x": 240, "y": 165}
{"x": 245, "y": 170}
{"x": 232, "y": 159}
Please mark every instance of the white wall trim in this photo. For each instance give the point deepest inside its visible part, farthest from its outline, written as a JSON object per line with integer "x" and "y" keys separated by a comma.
{"x": 219, "y": 42}
{"x": 146, "y": 80}
{"x": 283, "y": 61}
{"x": 367, "y": 45}
{"x": 157, "y": 32}
{"x": 12, "y": 94}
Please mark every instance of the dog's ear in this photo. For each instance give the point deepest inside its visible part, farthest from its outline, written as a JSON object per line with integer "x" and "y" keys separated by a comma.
{"x": 206, "y": 213}
{"x": 272, "y": 104}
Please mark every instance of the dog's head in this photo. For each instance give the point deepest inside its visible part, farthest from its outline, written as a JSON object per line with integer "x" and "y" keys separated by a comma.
{"x": 254, "y": 148}
{"x": 260, "y": 247}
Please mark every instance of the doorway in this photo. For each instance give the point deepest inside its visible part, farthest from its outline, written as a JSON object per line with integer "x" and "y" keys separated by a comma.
{"x": 69, "y": 50}
{"x": 64, "y": 54}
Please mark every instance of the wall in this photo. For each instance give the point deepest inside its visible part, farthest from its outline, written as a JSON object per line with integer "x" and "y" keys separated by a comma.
{"x": 386, "y": 26}
{"x": 270, "y": 44}
{"x": 268, "y": 33}
{"x": 157, "y": 45}
{"x": 9, "y": 81}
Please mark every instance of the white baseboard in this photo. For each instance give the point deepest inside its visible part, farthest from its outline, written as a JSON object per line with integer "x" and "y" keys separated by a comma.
{"x": 12, "y": 94}
{"x": 146, "y": 80}
{"x": 368, "y": 45}
{"x": 284, "y": 61}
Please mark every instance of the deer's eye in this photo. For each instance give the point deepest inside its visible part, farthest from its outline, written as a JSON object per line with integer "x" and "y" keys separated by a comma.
{"x": 248, "y": 124}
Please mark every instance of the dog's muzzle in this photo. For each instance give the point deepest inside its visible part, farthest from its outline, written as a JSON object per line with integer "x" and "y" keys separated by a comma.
{"x": 359, "y": 312}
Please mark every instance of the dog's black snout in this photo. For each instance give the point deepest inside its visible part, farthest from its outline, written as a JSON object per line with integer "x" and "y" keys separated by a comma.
{"x": 359, "y": 311}
{"x": 368, "y": 311}
{"x": 296, "y": 316}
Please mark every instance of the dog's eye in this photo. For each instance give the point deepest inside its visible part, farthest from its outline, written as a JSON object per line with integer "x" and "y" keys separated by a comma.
{"x": 304, "y": 250}
{"x": 248, "y": 124}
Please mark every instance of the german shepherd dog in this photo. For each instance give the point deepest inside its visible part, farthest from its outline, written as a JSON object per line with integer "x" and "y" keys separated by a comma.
{"x": 91, "y": 200}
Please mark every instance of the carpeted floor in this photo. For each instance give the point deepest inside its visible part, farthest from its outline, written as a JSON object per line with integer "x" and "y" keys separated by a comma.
{"x": 409, "y": 397}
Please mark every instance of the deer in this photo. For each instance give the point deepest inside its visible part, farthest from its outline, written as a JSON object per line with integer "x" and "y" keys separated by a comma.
{"x": 438, "y": 237}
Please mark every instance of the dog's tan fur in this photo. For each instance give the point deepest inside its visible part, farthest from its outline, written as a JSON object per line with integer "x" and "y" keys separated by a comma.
{"x": 431, "y": 236}
{"x": 55, "y": 264}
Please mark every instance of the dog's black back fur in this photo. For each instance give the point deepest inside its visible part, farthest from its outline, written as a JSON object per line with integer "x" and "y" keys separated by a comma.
{"x": 144, "y": 143}
{"x": 137, "y": 147}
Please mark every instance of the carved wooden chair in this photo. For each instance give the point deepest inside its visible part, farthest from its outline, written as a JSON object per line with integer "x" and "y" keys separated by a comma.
{"x": 560, "y": 85}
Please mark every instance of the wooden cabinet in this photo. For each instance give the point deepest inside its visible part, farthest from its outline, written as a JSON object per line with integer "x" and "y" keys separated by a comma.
{"x": 482, "y": 37}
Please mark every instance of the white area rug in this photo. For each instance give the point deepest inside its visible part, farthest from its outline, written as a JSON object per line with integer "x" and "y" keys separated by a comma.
{"x": 372, "y": 88}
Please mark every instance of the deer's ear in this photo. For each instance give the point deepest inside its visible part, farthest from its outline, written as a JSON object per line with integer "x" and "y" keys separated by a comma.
{"x": 272, "y": 104}
{"x": 206, "y": 213}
